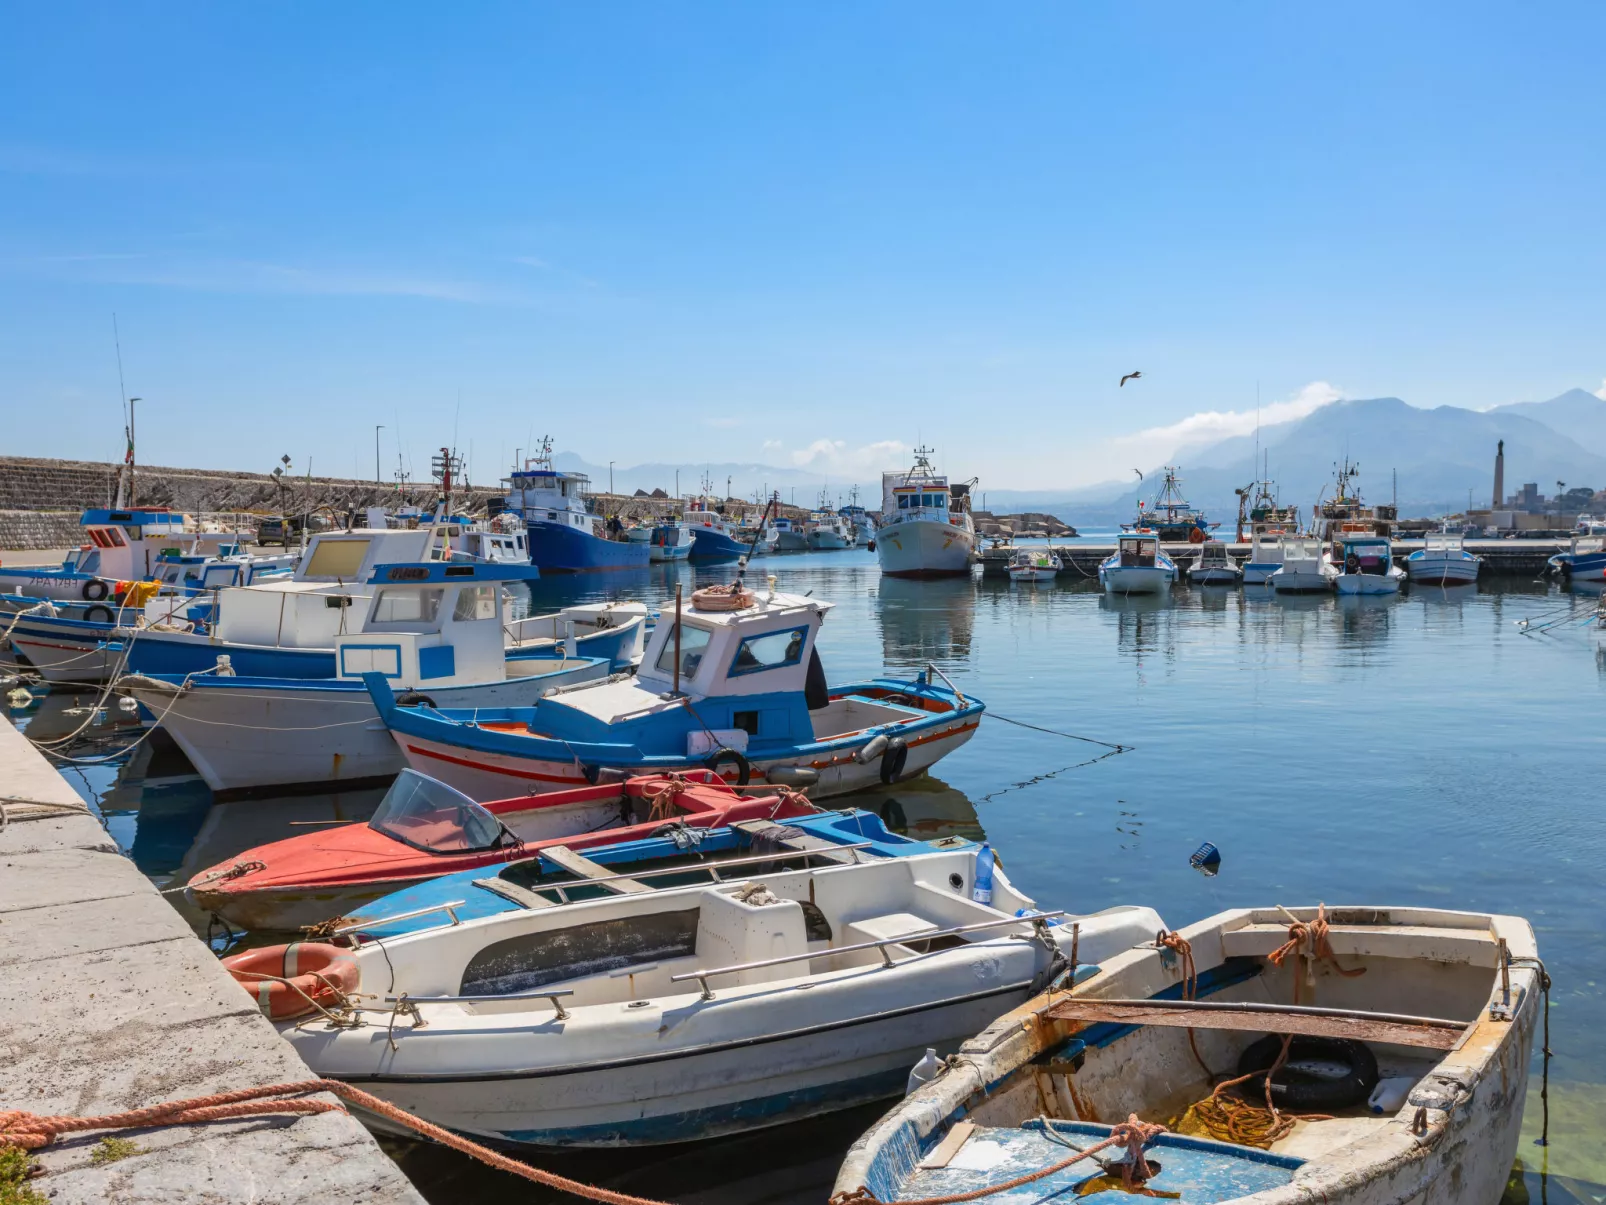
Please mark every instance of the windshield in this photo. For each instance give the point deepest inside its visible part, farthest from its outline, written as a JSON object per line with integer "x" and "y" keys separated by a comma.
{"x": 430, "y": 815}
{"x": 693, "y": 640}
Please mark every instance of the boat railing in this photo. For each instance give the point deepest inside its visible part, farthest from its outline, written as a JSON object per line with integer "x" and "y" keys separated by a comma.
{"x": 449, "y": 908}
{"x": 556, "y": 996}
{"x": 879, "y": 945}
{"x": 931, "y": 667}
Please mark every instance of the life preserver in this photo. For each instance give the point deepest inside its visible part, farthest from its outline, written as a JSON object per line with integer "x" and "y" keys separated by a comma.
{"x": 894, "y": 759}
{"x": 744, "y": 768}
{"x": 94, "y": 590}
{"x": 1196, "y": 535}
{"x": 301, "y": 977}
{"x": 1292, "y": 1088}
{"x": 91, "y": 612}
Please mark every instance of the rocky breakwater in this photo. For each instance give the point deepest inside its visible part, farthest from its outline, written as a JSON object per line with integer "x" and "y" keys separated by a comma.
{"x": 1029, "y": 525}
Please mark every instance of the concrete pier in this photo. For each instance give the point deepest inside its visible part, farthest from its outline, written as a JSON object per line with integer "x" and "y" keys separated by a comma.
{"x": 109, "y": 1002}
{"x": 1520, "y": 557}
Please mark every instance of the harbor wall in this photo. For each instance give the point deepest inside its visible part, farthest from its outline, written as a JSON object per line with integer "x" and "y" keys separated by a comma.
{"x": 108, "y": 1002}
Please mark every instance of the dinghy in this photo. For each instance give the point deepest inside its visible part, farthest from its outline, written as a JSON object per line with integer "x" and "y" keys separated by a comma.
{"x": 1443, "y": 560}
{"x": 738, "y": 689}
{"x": 1357, "y": 1056}
{"x": 621, "y": 1005}
{"x": 1214, "y": 567}
{"x": 423, "y": 830}
{"x": 1137, "y": 566}
{"x": 1033, "y": 565}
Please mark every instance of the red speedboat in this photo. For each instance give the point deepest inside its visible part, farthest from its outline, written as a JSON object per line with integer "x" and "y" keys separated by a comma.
{"x": 424, "y": 829}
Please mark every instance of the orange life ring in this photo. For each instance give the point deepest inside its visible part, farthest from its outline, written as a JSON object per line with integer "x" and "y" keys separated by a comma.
{"x": 1196, "y": 535}
{"x": 294, "y": 980}
{"x": 721, "y": 598}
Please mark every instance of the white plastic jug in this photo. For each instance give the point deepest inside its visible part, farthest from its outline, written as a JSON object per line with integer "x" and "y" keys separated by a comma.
{"x": 1389, "y": 1095}
{"x": 924, "y": 1071}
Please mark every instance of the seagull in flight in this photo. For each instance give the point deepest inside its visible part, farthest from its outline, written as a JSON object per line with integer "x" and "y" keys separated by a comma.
{"x": 1139, "y": 472}
{"x": 1131, "y": 376}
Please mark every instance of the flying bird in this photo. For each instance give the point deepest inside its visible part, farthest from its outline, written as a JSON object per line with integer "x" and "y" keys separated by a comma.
{"x": 1139, "y": 472}
{"x": 1131, "y": 376}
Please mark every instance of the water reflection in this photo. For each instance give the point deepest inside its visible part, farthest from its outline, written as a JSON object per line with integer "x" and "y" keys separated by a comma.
{"x": 925, "y": 621}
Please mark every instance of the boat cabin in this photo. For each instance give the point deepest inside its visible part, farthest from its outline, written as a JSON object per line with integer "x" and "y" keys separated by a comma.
{"x": 1364, "y": 554}
{"x": 1300, "y": 552}
{"x": 124, "y": 545}
{"x": 1138, "y": 551}
{"x": 1213, "y": 555}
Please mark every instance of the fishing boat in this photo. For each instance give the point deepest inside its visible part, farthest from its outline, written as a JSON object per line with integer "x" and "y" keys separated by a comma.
{"x": 563, "y": 535}
{"x": 1364, "y": 564}
{"x": 926, "y": 528}
{"x": 1137, "y": 566}
{"x": 789, "y": 535}
{"x": 740, "y": 691}
{"x": 713, "y": 538}
{"x": 1304, "y": 569}
{"x": 1353, "y": 1056}
{"x": 433, "y": 629}
{"x": 1265, "y": 555}
{"x": 1171, "y": 517}
{"x": 1034, "y": 565}
{"x": 1584, "y": 560}
{"x": 860, "y": 521}
{"x": 829, "y": 531}
{"x": 668, "y": 999}
{"x": 669, "y": 541}
{"x": 423, "y": 830}
{"x": 1346, "y": 512}
{"x": 120, "y": 545}
{"x": 1443, "y": 560}
{"x": 1214, "y": 567}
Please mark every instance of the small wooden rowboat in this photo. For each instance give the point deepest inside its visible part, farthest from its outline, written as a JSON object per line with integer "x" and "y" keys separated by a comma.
{"x": 1392, "y": 1068}
{"x": 424, "y": 829}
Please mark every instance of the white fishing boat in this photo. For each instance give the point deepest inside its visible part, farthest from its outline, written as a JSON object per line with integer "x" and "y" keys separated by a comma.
{"x": 829, "y": 531}
{"x": 788, "y": 535}
{"x": 926, "y": 528}
{"x": 1364, "y": 564}
{"x": 671, "y": 540}
{"x": 1034, "y": 565}
{"x": 1386, "y": 1053}
{"x": 1137, "y": 566}
{"x": 1304, "y": 568}
{"x": 616, "y": 1006}
{"x": 1213, "y": 566}
{"x": 1265, "y": 555}
{"x": 1443, "y": 560}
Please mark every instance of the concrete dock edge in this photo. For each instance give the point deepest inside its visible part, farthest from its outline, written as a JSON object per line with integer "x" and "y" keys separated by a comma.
{"x": 109, "y": 1002}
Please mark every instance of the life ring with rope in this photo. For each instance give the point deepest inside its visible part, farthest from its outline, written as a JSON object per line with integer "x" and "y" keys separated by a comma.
{"x": 296, "y": 979}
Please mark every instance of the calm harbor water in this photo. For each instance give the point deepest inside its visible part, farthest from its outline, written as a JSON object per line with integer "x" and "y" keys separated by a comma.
{"x": 1421, "y": 749}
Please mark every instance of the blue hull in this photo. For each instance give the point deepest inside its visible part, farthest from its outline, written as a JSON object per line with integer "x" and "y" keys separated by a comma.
{"x": 555, "y": 548}
{"x": 707, "y": 544}
{"x": 151, "y": 654}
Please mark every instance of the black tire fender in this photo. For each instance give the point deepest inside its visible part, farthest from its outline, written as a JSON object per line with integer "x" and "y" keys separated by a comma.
{"x": 744, "y": 768}
{"x": 412, "y": 698}
{"x": 91, "y": 614}
{"x": 94, "y": 590}
{"x": 1292, "y": 1089}
{"x": 894, "y": 760}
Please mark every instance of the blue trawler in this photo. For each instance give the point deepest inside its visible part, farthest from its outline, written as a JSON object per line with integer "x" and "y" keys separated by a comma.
{"x": 565, "y": 537}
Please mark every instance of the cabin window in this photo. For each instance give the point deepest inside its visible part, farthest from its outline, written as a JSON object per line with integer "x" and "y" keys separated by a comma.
{"x": 524, "y": 963}
{"x": 475, "y": 602}
{"x": 903, "y": 501}
{"x": 938, "y": 501}
{"x": 336, "y": 558}
{"x": 747, "y": 721}
{"x": 192, "y": 574}
{"x": 693, "y": 643}
{"x": 429, "y": 815}
{"x": 772, "y": 650}
{"x": 407, "y": 606}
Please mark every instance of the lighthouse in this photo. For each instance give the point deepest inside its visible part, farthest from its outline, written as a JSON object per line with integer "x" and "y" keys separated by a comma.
{"x": 1500, "y": 475}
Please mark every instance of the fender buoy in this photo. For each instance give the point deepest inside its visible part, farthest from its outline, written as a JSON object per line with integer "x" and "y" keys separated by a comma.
{"x": 1196, "y": 536}
{"x": 1336, "y": 1072}
{"x": 797, "y": 778}
{"x": 744, "y": 769}
{"x": 893, "y": 760}
{"x": 412, "y": 698}
{"x": 94, "y": 590}
{"x": 91, "y": 614}
{"x": 304, "y": 975}
{"x": 876, "y": 747}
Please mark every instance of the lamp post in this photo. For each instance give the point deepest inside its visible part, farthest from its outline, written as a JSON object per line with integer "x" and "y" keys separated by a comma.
{"x": 610, "y": 476}
{"x": 378, "y": 427}
{"x": 131, "y": 402}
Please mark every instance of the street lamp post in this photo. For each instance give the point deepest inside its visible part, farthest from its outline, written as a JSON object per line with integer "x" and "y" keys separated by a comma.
{"x": 610, "y": 476}
{"x": 131, "y": 402}
{"x": 378, "y": 427}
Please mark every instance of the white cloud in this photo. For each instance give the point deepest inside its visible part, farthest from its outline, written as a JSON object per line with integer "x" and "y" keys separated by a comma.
{"x": 1211, "y": 426}
{"x": 837, "y": 456}
{"x": 1601, "y": 392}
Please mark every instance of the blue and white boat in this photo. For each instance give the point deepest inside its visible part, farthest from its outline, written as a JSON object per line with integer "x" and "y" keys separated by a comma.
{"x": 636, "y": 1003}
{"x": 739, "y": 691}
{"x": 434, "y": 629}
{"x": 789, "y": 535}
{"x": 563, "y": 536}
{"x": 713, "y": 538}
{"x": 1584, "y": 560}
{"x": 120, "y": 545}
{"x": 1443, "y": 560}
{"x": 1364, "y": 564}
{"x": 860, "y": 521}
{"x": 670, "y": 541}
{"x": 1137, "y": 566}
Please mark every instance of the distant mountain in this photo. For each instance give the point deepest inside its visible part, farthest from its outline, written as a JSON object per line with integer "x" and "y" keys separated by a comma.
{"x": 744, "y": 480}
{"x": 1576, "y": 413}
{"x": 1438, "y": 455}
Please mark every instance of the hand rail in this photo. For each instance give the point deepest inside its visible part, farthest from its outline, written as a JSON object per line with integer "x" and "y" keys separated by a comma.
{"x": 534, "y": 994}
{"x": 449, "y": 908}
{"x": 880, "y": 944}
{"x": 713, "y": 868}
{"x": 958, "y": 694}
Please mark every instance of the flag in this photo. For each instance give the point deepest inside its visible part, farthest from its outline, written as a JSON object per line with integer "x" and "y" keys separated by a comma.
{"x": 128, "y": 457}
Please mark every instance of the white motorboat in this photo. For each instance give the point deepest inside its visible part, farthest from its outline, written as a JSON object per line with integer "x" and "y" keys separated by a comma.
{"x": 614, "y": 1006}
{"x": 926, "y": 529}
{"x": 829, "y": 531}
{"x": 1214, "y": 567}
{"x": 1396, "y": 1048}
{"x": 1304, "y": 568}
{"x": 1443, "y": 560}
{"x": 671, "y": 541}
{"x": 1137, "y": 566}
{"x": 1265, "y": 556}
{"x": 1034, "y": 565}
{"x": 789, "y": 535}
{"x": 1364, "y": 564}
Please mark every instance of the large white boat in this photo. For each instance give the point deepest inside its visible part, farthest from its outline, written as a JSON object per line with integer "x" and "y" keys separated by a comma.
{"x": 1364, "y": 564}
{"x": 1443, "y": 560}
{"x": 926, "y": 529}
{"x": 1138, "y": 566}
{"x": 1304, "y": 568}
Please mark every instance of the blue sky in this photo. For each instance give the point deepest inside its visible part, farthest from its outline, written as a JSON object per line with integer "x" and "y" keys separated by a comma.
{"x": 804, "y": 234}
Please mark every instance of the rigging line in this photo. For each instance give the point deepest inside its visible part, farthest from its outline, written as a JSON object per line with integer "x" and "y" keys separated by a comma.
{"x": 1070, "y": 736}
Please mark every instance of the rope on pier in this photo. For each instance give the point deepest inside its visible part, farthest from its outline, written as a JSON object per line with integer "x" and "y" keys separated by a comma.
{"x": 14, "y": 808}
{"x": 30, "y": 1132}
{"x": 1132, "y": 1134}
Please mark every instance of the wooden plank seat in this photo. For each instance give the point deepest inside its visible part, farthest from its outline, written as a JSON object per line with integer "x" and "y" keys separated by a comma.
{"x": 1435, "y": 1033}
{"x": 522, "y": 896}
{"x": 582, "y": 867}
{"x": 802, "y": 842}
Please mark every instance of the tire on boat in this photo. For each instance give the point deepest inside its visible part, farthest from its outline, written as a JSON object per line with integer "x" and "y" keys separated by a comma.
{"x": 296, "y": 979}
{"x": 92, "y": 614}
{"x": 894, "y": 760}
{"x": 744, "y": 768}
{"x": 94, "y": 590}
{"x": 1293, "y": 1088}
{"x": 413, "y": 698}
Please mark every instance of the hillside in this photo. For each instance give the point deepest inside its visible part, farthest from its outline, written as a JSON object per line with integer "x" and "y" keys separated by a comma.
{"x": 1576, "y": 413}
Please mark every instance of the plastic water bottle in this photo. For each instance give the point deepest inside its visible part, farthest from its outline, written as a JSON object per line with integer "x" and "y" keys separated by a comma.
{"x": 924, "y": 1071}
{"x": 982, "y": 892}
{"x": 1389, "y": 1095}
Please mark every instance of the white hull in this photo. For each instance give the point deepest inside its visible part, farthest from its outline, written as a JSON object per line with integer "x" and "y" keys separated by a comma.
{"x": 672, "y": 552}
{"x": 791, "y": 541}
{"x": 1368, "y": 583}
{"x": 1214, "y": 577}
{"x": 1031, "y": 575}
{"x": 1258, "y": 574}
{"x": 1135, "y": 579}
{"x": 62, "y": 662}
{"x": 239, "y": 738}
{"x": 921, "y": 548}
{"x": 1301, "y": 581}
{"x": 827, "y": 541}
{"x": 1442, "y": 571}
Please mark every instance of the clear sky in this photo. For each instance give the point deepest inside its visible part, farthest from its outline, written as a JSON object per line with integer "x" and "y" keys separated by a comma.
{"x": 800, "y": 233}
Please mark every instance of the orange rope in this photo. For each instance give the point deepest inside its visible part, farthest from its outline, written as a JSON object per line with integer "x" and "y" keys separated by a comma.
{"x": 1321, "y": 950}
{"x": 1190, "y": 985}
{"x": 29, "y": 1131}
{"x": 1132, "y": 1134}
